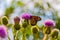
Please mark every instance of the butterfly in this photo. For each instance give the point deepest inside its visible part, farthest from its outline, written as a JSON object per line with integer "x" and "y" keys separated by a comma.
{"x": 34, "y": 20}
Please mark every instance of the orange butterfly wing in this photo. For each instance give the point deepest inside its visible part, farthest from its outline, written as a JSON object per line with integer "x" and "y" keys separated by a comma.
{"x": 34, "y": 20}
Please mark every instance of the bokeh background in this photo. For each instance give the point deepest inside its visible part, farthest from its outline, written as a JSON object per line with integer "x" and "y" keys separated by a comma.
{"x": 46, "y": 9}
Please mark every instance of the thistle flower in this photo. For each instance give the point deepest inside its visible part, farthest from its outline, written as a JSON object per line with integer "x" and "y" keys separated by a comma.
{"x": 3, "y": 31}
{"x": 16, "y": 20}
{"x": 47, "y": 26}
{"x": 49, "y": 23}
{"x": 54, "y": 33}
{"x": 25, "y": 16}
{"x": 4, "y": 20}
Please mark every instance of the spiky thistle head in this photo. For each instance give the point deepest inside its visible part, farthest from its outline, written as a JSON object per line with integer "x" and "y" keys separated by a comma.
{"x": 16, "y": 20}
{"x": 4, "y": 20}
{"x": 49, "y": 23}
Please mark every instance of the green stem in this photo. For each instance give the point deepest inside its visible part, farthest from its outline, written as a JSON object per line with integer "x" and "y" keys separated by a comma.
{"x": 45, "y": 37}
{"x": 16, "y": 36}
{"x": 54, "y": 39}
{"x": 8, "y": 38}
{"x": 24, "y": 36}
{"x": 35, "y": 36}
{"x": 14, "y": 33}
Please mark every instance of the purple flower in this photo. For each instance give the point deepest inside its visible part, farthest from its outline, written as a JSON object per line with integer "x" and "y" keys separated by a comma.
{"x": 16, "y": 19}
{"x": 3, "y": 31}
{"x": 25, "y": 16}
{"x": 49, "y": 23}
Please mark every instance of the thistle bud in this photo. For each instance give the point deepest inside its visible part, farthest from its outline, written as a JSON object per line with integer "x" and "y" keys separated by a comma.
{"x": 35, "y": 30}
{"x": 16, "y": 26}
{"x": 54, "y": 33}
{"x": 4, "y": 20}
{"x": 16, "y": 20}
{"x": 25, "y": 23}
{"x": 47, "y": 30}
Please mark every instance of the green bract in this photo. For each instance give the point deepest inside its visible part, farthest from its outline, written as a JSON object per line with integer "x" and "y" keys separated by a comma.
{"x": 25, "y": 23}
{"x": 35, "y": 30}
{"x": 17, "y": 26}
{"x": 47, "y": 30}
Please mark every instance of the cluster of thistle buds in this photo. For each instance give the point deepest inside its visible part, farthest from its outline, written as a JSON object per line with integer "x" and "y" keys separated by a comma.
{"x": 48, "y": 25}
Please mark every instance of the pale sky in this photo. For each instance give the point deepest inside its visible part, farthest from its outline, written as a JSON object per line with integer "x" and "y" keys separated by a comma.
{"x": 4, "y": 3}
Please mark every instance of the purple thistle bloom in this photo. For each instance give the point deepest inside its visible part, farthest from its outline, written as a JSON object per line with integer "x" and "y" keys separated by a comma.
{"x": 25, "y": 16}
{"x": 3, "y": 31}
{"x": 16, "y": 19}
{"x": 49, "y": 23}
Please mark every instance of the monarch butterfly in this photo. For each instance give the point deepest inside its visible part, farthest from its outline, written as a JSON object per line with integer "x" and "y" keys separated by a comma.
{"x": 34, "y": 20}
{"x": 37, "y": 18}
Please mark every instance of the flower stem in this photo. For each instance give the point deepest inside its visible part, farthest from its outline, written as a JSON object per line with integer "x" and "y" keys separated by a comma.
{"x": 45, "y": 37}
{"x": 8, "y": 36}
{"x": 35, "y": 36}
{"x": 16, "y": 36}
{"x": 24, "y": 36}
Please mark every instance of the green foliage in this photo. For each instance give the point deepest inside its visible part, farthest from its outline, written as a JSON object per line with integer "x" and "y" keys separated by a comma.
{"x": 49, "y": 5}
{"x": 9, "y": 11}
{"x": 19, "y": 3}
{"x": 37, "y": 5}
{"x": 28, "y": 31}
{"x": 9, "y": 25}
{"x": 58, "y": 23}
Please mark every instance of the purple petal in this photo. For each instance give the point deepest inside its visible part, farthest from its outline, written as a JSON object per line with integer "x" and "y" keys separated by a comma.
{"x": 25, "y": 16}
{"x": 49, "y": 23}
{"x": 3, "y": 31}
